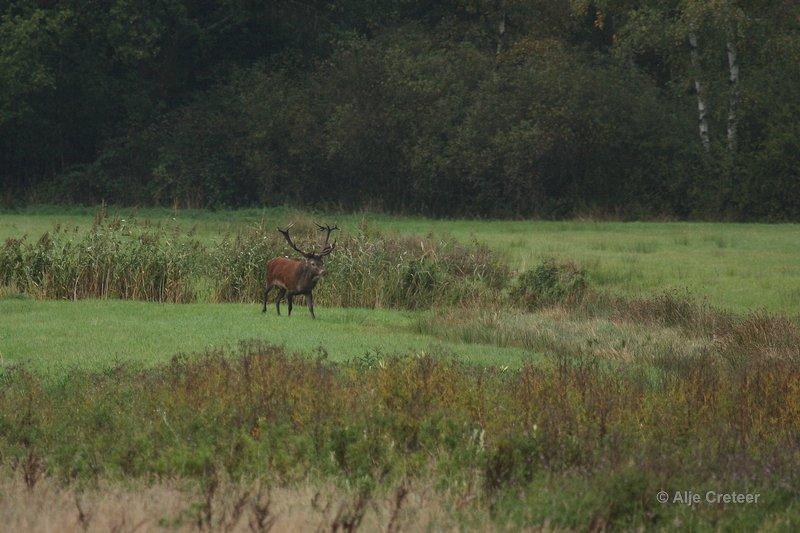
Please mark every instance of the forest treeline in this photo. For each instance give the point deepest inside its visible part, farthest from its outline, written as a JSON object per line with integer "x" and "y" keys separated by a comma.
{"x": 553, "y": 108}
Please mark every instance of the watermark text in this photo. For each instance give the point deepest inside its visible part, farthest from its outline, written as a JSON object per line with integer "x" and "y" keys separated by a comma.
{"x": 690, "y": 497}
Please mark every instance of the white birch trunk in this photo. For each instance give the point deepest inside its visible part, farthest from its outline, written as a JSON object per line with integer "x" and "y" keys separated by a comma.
{"x": 501, "y": 29}
{"x": 702, "y": 107}
{"x": 733, "y": 102}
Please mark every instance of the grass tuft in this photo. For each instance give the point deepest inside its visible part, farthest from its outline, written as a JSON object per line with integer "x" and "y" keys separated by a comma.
{"x": 550, "y": 283}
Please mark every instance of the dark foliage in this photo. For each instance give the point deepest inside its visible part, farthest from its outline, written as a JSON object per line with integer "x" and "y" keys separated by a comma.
{"x": 401, "y": 106}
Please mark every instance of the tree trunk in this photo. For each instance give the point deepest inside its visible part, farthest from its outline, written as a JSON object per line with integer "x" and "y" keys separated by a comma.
{"x": 733, "y": 102}
{"x": 501, "y": 28}
{"x": 702, "y": 107}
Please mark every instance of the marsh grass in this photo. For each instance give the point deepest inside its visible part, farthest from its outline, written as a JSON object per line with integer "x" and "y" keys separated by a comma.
{"x": 557, "y": 330}
{"x": 119, "y": 259}
{"x": 368, "y": 268}
{"x": 667, "y": 326}
{"x": 491, "y": 435}
{"x": 112, "y": 260}
{"x": 669, "y": 309}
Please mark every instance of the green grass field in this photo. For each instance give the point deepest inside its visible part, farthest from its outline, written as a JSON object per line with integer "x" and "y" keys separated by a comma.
{"x": 741, "y": 267}
{"x": 53, "y": 336}
{"x": 737, "y": 267}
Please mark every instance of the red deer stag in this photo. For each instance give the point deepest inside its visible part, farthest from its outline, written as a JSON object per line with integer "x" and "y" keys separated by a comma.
{"x": 297, "y": 276}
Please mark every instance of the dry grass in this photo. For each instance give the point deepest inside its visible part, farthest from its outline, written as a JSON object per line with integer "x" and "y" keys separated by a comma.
{"x": 562, "y": 331}
{"x": 228, "y": 506}
{"x": 762, "y": 335}
{"x": 643, "y": 330}
{"x": 672, "y": 309}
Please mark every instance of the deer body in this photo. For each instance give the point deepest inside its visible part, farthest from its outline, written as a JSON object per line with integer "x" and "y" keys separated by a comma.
{"x": 296, "y": 276}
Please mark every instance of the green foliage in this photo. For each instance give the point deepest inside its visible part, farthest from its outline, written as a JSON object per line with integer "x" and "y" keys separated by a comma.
{"x": 109, "y": 261}
{"x": 550, "y": 283}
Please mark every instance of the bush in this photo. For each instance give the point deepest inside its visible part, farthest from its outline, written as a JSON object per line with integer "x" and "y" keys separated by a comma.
{"x": 550, "y": 283}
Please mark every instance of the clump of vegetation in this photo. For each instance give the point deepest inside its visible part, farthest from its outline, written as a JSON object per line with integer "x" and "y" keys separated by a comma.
{"x": 111, "y": 260}
{"x": 671, "y": 309}
{"x": 368, "y": 269}
{"x": 550, "y": 283}
{"x": 489, "y": 435}
{"x": 117, "y": 259}
{"x": 763, "y": 336}
{"x": 556, "y": 331}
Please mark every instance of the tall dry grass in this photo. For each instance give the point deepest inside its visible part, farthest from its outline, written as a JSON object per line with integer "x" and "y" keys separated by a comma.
{"x": 118, "y": 259}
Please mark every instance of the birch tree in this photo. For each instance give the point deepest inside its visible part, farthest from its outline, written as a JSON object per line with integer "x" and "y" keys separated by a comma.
{"x": 702, "y": 104}
{"x": 733, "y": 104}
{"x": 734, "y": 21}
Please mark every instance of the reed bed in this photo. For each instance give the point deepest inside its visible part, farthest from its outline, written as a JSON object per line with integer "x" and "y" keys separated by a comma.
{"x": 111, "y": 260}
{"x": 119, "y": 259}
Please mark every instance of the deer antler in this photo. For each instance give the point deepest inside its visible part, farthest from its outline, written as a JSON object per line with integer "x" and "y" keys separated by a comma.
{"x": 327, "y": 248}
{"x": 285, "y": 233}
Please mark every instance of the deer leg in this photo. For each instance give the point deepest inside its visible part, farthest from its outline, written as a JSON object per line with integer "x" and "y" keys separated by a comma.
{"x": 289, "y": 299}
{"x": 278, "y": 301}
{"x": 310, "y": 302}
{"x": 266, "y": 293}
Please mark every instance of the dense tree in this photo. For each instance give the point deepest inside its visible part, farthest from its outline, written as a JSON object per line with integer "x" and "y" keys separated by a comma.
{"x": 478, "y": 107}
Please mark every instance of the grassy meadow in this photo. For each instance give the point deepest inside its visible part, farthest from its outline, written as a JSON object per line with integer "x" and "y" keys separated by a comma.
{"x": 54, "y": 336}
{"x": 741, "y": 267}
{"x": 460, "y": 374}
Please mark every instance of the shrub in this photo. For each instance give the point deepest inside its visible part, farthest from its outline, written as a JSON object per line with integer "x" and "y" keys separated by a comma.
{"x": 550, "y": 283}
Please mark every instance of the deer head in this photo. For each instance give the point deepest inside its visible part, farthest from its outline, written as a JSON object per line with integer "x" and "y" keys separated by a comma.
{"x": 314, "y": 257}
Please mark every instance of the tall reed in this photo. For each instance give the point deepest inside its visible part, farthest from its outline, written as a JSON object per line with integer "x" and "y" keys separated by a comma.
{"x": 115, "y": 259}
{"x": 110, "y": 260}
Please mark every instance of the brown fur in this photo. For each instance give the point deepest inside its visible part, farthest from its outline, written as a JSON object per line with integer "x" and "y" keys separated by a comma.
{"x": 292, "y": 277}
{"x": 297, "y": 276}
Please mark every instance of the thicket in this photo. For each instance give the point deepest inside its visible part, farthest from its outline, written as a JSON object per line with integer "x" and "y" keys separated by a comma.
{"x": 616, "y": 434}
{"x": 575, "y": 107}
